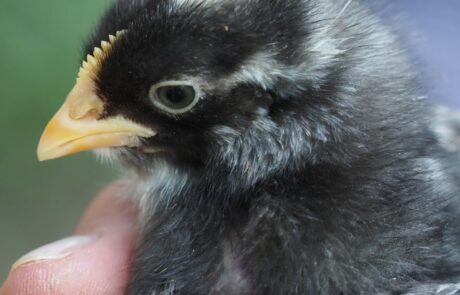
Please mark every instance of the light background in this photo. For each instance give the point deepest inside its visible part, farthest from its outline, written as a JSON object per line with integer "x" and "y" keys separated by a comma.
{"x": 40, "y": 44}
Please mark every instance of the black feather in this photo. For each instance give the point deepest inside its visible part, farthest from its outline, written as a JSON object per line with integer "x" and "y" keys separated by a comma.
{"x": 308, "y": 167}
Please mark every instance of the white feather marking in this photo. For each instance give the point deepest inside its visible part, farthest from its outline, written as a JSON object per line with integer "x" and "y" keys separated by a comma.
{"x": 322, "y": 44}
{"x": 232, "y": 279}
{"x": 448, "y": 289}
{"x": 264, "y": 70}
{"x": 226, "y": 134}
{"x": 164, "y": 181}
{"x": 343, "y": 10}
{"x": 196, "y": 2}
{"x": 435, "y": 168}
{"x": 106, "y": 156}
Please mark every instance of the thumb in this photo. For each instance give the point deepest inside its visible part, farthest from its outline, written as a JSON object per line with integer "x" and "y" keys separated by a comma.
{"x": 96, "y": 260}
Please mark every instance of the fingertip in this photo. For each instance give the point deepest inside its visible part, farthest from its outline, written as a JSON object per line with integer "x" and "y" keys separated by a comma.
{"x": 80, "y": 265}
{"x": 101, "y": 267}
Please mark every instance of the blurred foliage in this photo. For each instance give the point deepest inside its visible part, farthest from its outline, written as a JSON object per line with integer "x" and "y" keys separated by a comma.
{"x": 40, "y": 49}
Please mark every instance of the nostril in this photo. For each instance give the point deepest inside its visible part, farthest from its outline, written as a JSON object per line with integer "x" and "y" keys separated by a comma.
{"x": 80, "y": 114}
{"x": 87, "y": 108}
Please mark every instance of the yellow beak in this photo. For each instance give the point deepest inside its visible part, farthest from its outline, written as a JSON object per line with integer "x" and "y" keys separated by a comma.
{"x": 76, "y": 127}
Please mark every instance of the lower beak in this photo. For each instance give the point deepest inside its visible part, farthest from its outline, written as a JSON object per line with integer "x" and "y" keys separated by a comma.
{"x": 76, "y": 127}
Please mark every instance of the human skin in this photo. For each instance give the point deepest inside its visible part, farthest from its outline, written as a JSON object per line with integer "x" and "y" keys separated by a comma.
{"x": 95, "y": 261}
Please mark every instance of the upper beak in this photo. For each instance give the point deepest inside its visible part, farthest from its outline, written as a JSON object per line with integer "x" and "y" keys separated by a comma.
{"x": 76, "y": 127}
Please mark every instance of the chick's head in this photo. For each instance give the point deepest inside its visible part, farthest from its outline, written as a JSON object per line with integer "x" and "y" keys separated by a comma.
{"x": 197, "y": 84}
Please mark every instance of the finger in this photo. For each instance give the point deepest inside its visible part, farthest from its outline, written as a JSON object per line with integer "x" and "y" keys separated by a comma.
{"x": 108, "y": 210}
{"x": 95, "y": 261}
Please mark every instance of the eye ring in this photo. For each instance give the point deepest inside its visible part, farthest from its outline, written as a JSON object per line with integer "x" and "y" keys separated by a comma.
{"x": 175, "y": 97}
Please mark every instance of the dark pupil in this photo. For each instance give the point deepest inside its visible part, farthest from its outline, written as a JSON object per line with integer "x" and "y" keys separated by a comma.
{"x": 176, "y": 97}
{"x": 176, "y": 94}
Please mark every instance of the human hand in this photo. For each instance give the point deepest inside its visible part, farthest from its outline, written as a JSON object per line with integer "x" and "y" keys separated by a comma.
{"x": 96, "y": 261}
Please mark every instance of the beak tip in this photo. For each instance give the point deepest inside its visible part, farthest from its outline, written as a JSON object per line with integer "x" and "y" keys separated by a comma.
{"x": 44, "y": 154}
{"x": 40, "y": 153}
{"x": 41, "y": 156}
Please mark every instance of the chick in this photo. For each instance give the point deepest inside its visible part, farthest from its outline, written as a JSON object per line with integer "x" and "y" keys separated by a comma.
{"x": 276, "y": 147}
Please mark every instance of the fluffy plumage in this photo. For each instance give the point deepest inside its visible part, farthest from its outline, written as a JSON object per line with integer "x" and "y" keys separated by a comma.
{"x": 308, "y": 165}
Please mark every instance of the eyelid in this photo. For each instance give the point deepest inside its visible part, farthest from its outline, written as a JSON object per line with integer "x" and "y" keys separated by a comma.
{"x": 174, "y": 83}
{"x": 153, "y": 95}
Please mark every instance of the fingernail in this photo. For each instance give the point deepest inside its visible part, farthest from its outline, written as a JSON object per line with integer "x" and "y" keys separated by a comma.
{"x": 56, "y": 250}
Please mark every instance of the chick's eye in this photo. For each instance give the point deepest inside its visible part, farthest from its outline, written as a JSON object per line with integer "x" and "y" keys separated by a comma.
{"x": 174, "y": 98}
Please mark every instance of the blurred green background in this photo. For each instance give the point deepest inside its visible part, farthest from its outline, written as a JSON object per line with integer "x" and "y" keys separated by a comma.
{"x": 40, "y": 45}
